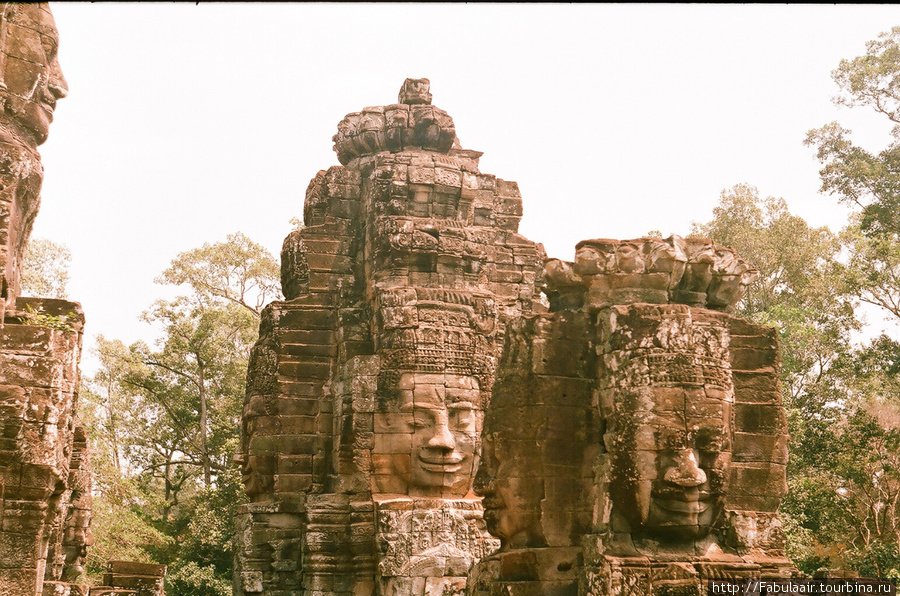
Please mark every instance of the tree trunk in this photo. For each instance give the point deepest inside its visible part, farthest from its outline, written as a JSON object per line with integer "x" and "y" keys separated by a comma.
{"x": 168, "y": 486}
{"x": 207, "y": 474}
{"x": 113, "y": 427}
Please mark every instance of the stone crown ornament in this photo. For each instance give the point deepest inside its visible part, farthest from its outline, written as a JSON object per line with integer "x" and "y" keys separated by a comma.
{"x": 413, "y": 123}
{"x": 692, "y": 271}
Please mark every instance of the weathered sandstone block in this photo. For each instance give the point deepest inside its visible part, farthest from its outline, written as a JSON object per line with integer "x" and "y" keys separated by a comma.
{"x": 38, "y": 450}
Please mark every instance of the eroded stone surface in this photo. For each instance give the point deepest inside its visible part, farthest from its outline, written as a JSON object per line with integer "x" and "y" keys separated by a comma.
{"x": 629, "y": 447}
{"x": 32, "y": 82}
{"x": 39, "y": 380}
{"x": 71, "y": 534}
{"x": 691, "y": 271}
{"x": 366, "y": 389}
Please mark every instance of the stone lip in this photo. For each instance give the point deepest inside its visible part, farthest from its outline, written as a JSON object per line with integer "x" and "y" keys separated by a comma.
{"x": 413, "y": 123}
{"x": 676, "y": 270}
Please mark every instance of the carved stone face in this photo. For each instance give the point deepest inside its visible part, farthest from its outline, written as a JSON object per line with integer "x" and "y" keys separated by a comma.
{"x": 670, "y": 461}
{"x": 511, "y": 495}
{"x": 256, "y": 474}
{"x": 430, "y": 439}
{"x": 77, "y": 539}
{"x": 32, "y": 76}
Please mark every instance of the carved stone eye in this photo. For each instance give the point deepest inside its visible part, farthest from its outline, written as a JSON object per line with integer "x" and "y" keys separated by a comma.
{"x": 50, "y": 48}
{"x": 421, "y": 420}
{"x": 462, "y": 418}
{"x": 672, "y": 440}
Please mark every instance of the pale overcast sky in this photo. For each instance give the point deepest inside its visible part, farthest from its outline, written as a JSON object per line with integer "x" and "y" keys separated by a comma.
{"x": 187, "y": 122}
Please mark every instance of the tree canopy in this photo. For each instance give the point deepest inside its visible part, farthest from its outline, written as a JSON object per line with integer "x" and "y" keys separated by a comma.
{"x": 166, "y": 417}
{"x": 841, "y": 509}
{"x": 238, "y": 270}
{"x": 45, "y": 270}
{"x": 868, "y": 180}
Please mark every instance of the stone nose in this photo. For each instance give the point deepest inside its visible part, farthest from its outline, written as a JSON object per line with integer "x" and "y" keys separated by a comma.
{"x": 442, "y": 438}
{"x": 686, "y": 472}
{"x": 57, "y": 84}
{"x": 482, "y": 483}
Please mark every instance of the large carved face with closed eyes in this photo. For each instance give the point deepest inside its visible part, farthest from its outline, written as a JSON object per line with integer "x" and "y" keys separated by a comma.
{"x": 32, "y": 79}
{"x": 426, "y": 442}
{"x": 671, "y": 452}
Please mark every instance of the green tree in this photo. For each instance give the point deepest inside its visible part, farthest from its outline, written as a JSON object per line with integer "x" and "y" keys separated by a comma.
{"x": 799, "y": 271}
{"x": 196, "y": 377}
{"x": 842, "y": 506}
{"x": 857, "y": 457}
{"x": 237, "y": 270}
{"x": 45, "y": 269}
{"x": 851, "y": 450}
{"x": 182, "y": 400}
{"x": 122, "y": 527}
{"x": 872, "y": 270}
{"x": 870, "y": 181}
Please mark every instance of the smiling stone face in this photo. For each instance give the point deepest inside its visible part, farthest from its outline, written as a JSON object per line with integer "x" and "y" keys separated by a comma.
{"x": 670, "y": 460}
{"x": 668, "y": 402}
{"x": 429, "y": 440}
{"x": 512, "y": 494}
{"x": 32, "y": 79}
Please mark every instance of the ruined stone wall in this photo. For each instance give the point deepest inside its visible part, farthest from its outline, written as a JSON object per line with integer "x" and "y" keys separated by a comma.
{"x": 539, "y": 446}
{"x": 71, "y": 532}
{"x": 38, "y": 400}
{"x": 362, "y": 422}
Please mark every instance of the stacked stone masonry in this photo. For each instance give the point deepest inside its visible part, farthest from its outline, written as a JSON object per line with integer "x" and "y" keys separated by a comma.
{"x": 45, "y": 469}
{"x": 366, "y": 389}
{"x": 38, "y": 401}
{"x": 635, "y": 442}
{"x": 45, "y": 477}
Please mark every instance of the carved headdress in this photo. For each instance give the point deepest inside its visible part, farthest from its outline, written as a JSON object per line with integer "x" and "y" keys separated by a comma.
{"x": 436, "y": 331}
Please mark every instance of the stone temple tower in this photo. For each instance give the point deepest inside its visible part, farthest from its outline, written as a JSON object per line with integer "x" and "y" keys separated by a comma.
{"x": 366, "y": 390}
{"x": 636, "y": 442}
